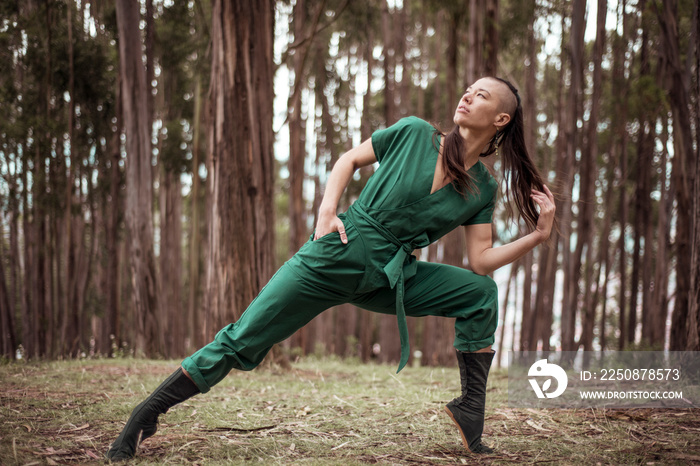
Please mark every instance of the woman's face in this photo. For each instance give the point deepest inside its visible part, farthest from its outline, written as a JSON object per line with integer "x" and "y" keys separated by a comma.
{"x": 484, "y": 106}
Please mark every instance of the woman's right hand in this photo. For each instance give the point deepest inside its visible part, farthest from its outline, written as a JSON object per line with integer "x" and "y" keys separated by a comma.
{"x": 548, "y": 208}
{"x": 328, "y": 224}
{"x": 343, "y": 170}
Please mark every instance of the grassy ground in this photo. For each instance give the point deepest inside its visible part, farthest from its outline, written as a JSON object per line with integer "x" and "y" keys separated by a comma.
{"x": 319, "y": 412}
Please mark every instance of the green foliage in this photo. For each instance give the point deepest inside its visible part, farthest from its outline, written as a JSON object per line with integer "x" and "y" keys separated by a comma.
{"x": 173, "y": 146}
{"x": 179, "y": 51}
{"x": 38, "y": 73}
{"x": 647, "y": 98}
{"x": 360, "y": 21}
{"x": 515, "y": 20}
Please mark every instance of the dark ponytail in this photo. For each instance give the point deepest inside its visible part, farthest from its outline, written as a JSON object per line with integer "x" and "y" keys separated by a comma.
{"x": 453, "y": 162}
{"x": 519, "y": 171}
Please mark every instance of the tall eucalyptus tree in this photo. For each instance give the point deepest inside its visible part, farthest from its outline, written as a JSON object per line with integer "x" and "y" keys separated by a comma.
{"x": 240, "y": 256}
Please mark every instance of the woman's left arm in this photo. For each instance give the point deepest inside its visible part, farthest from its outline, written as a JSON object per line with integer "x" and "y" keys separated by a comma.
{"x": 484, "y": 258}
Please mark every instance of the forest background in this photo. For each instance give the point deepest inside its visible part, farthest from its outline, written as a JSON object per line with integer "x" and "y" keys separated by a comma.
{"x": 160, "y": 159}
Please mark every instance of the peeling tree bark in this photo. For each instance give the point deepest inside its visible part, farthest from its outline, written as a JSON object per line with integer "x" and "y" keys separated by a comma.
{"x": 240, "y": 259}
{"x": 139, "y": 193}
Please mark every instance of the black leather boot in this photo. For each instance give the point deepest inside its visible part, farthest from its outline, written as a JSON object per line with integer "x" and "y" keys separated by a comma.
{"x": 143, "y": 421}
{"x": 467, "y": 411}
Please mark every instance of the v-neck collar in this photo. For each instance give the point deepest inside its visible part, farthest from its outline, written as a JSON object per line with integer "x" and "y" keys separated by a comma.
{"x": 435, "y": 162}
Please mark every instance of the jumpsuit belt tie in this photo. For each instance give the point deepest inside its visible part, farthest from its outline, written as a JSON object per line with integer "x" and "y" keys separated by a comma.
{"x": 394, "y": 272}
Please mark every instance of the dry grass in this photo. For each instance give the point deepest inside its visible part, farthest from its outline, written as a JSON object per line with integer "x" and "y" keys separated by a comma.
{"x": 320, "y": 412}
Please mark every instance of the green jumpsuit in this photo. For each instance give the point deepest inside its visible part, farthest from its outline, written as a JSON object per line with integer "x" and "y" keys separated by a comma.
{"x": 395, "y": 214}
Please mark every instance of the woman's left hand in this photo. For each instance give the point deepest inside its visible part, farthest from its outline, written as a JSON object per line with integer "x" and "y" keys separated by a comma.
{"x": 547, "y": 209}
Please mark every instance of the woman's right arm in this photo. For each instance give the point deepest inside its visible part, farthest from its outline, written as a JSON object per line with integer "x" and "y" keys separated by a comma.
{"x": 341, "y": 174}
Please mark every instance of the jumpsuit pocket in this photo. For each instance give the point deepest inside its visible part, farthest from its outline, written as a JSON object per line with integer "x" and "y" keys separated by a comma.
{"x": 330, "y": 249}
{"x": 346, "y": 225}
{"x": 325, "y": 237}
{"x": 330, "y": 265}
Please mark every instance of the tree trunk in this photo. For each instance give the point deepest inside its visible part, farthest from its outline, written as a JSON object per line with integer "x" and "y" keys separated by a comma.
{"x": 365, "y": 126}
{"x": 684, "y": 168}
{"x": 589, "y": 171}
{"x": 66, "y": 278}
{"x": 39, "y": 271}
{"x": 240, "y": 168}
{"x": 150, "y": 68}
{"x": 491, "y": 38}
{"x": 571, "y": 115}
{"x": 171, "y": 261}
{"x": 15, "y": 293}
{"x": 604, "y": 261}
{"x": 659, "y": 298}
{"x": 84, "y": 266}
{"x": 641, "y": 196}
{"x": 195, "y": 249}
{"x": 438, "y": 53}
{"x": 389, "y": 66}
{"x": 7, "y": 329}
{"x": 423, "y": 60}
{"x": 297, "y": 128}
{"x": 139, "y": 197}
{"x": 620, "y": 88}
{"x": 112, "y": 336}
{"x": 693, "y": 343}
{"x": 474, "y": 62}
{"x": 452, "y": 42}
{"x": 400, "y": 34}
{"x": 28, "y": 321}
{"x": 527, "y": 321}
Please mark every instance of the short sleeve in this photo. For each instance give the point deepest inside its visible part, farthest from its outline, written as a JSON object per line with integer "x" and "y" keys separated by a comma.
{"x": 485, "y": 215}
{"x": 398, "y": 134}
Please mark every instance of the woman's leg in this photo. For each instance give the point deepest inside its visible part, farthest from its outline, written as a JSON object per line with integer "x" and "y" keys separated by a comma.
{"x": 285, "y": 304}
{"x": 322, "y": 274}
{"x": 446, "y": 291}
{"x": 316, "y": 278}
{"x": 467, "y": 411}
{"x": 143, "y": 421}
{"x": 472, "y": 300}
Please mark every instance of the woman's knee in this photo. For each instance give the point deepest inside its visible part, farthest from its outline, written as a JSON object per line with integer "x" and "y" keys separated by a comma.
{"x": 488, "y": 290}
{"x": 490, "y": 284}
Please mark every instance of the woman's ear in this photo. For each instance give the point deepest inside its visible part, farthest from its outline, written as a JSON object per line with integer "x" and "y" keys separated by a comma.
{"x": 502, "y": 120}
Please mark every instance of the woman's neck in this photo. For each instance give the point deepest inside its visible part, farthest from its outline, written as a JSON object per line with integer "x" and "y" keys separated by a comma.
{"x": 474, "y": 143}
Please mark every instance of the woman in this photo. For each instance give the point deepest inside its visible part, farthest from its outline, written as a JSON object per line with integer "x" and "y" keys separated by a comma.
{"x": 426, "y": 185}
